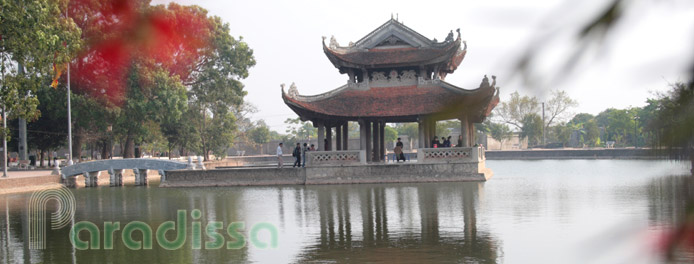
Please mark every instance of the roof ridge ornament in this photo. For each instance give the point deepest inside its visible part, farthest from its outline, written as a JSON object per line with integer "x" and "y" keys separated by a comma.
{"x": 333, "y": 42}
{"x": 293, "y": 91}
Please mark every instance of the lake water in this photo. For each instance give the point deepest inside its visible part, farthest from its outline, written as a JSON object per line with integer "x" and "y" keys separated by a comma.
{"x": 563, "y": 211}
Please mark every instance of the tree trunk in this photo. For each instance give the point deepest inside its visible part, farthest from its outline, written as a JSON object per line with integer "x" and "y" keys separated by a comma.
{"x": 77, "y": 142}
{"x": 129, "y": 148}
{"x": 41, "y": 152}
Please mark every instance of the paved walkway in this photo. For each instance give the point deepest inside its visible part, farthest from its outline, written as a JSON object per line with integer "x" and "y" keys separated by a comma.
{"x": 25, "y": 173}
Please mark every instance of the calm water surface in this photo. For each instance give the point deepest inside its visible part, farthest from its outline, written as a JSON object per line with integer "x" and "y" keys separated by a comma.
{"x": 568, "y": 211}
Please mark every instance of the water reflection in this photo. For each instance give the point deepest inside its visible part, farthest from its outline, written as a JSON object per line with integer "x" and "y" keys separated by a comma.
{"x": 401, "y": 223}
{"x": 528, "y": 213}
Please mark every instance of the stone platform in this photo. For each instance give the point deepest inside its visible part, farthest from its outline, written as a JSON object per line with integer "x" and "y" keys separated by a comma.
{"x": 346, "y": 167}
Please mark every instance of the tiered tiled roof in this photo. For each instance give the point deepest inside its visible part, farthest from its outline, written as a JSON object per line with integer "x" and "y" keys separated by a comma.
{"x": 395, "y": 45}
{"x": 403, "y": 103}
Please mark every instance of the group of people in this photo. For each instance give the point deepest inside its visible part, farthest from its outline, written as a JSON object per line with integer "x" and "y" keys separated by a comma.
{"x": 299, "y": 154}
{"x": 436, "y": 143}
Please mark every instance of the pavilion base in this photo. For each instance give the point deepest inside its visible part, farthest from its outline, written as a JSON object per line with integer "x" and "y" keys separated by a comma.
{"x": 345, "y": 174}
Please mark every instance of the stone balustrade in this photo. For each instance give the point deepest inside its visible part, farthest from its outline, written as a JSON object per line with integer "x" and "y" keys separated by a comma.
{"x": 343, "y": 157}
{"x": 450, "y": 155}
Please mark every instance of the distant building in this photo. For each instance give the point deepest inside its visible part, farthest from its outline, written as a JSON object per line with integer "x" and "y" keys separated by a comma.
{"x": 395, "y": 75}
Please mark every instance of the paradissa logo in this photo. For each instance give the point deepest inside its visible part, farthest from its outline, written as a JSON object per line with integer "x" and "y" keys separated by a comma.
{"x": 213, "y": 231}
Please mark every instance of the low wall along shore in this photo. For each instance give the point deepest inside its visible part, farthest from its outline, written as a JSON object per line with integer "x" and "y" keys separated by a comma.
{"x": 345, "y": 167}
{"x": 630, "y": 153}
{"x": 347, "y": 174}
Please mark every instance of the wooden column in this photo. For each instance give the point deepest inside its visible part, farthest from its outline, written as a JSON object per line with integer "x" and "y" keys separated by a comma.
{"x": 338, "y": 137}
{"x": 422, "y": 135}
{"x": 321, "y": 137}
{"x": 329, "y": 137}
{"x": 376, "y": 144}
{"x": 362, "y": 134}
{"x": 471, "y": 128}
{"x": 382, "y": 140}
{"x": 345, "y": 136}
{"x": 369, "y": 154}
{"x": 464, "y": 130}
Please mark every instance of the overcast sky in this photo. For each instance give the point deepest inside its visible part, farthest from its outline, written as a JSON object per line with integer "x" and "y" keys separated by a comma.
{"x": 650, "y": 47}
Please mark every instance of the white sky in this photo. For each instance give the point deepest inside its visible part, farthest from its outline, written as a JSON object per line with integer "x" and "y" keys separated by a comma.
{"x": 651, "y": 46}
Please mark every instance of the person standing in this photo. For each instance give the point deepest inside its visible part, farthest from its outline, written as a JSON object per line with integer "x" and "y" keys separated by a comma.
{"x": 297, "y": 154}
{"x": 279, "y": 156}
{"x": 303, "y": 154}
{"x": 399, "y": 154}
{"x": 460, "y": 141}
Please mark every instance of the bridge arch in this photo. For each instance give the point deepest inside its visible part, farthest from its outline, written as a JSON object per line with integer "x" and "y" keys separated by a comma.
{"x": 115, "y": 167}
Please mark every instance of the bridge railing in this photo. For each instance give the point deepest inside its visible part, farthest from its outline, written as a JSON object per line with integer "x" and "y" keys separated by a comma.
{"x": 91, "y": 170}
{"x": 340, "y": 157}
{"x": 450, "y": 155}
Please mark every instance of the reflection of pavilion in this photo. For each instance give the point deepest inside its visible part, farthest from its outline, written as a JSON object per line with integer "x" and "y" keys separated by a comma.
{"x": 384, "y": 239}
{"x": 395, "y": 75}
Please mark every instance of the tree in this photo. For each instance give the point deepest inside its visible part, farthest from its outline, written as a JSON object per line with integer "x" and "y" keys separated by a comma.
{"x": 390, "y": 134}
{"x": 500, "y": 132}
{"x": 557, "y": 108}
{"x": 620, "y": 123}
{"x": 35, "y": 36}
{"x": 299, "y": 130}
{"x": 217, "y": 88}
{"x": 409, "y": 129}
{"x": 674, "y": 125}
{"x": 563, "y": 132}
{"x": 531, "y": 128}
{"x": 592, "y": 133}
{"x": 48, "y": 132}
{"x": 581, "y": 118}
{"x": 516, "y": 109}
{"x": 259, "y": 134}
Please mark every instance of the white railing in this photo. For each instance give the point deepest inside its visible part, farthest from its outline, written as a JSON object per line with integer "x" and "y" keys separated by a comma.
{"x": 448, "y": 155}
{"x": 343, "y": 157}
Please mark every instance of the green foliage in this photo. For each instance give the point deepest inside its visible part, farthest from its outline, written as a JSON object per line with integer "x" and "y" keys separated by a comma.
{"x": 390, "y": 134}
{"x": 217, "y": 89}
{"x": 592, "y": 133}
{"x": 581, "y": 118}
{"x": 563, "y": 132}
{"x": 499, "y": 132}
{"x": 34, "y": 35}
{"x": 516, "y": 109}
{"x": 532, "y": 128}
{"x": 300, "y": 130}
{"x": 409, "y": 129}
{"x": 444, "y": 128}
{"x": 674, "y": 122}
{"x": 49, "y": 131}
{"x": 260, "y": 133}
{"x": 557, "y": 108}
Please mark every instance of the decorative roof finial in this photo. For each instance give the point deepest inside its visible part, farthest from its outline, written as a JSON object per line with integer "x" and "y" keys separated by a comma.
{"x": 391, "y": 16}
{"x": 397, "y": 16}
{"x": 293, "y": 91}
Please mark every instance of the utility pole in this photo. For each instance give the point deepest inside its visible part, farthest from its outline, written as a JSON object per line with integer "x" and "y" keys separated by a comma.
{"x": 69, "y": 112}
{"x": 543, "y": 124}
{"x": 4, "y": 143}
{"x": 22, "y": 125}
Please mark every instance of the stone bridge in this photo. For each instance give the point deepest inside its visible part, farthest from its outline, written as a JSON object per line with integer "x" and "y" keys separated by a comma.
{"x": 91, "y": 170}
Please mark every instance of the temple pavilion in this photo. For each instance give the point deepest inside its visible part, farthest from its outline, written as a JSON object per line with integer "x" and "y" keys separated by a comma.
{"x": 395, "y": 75}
